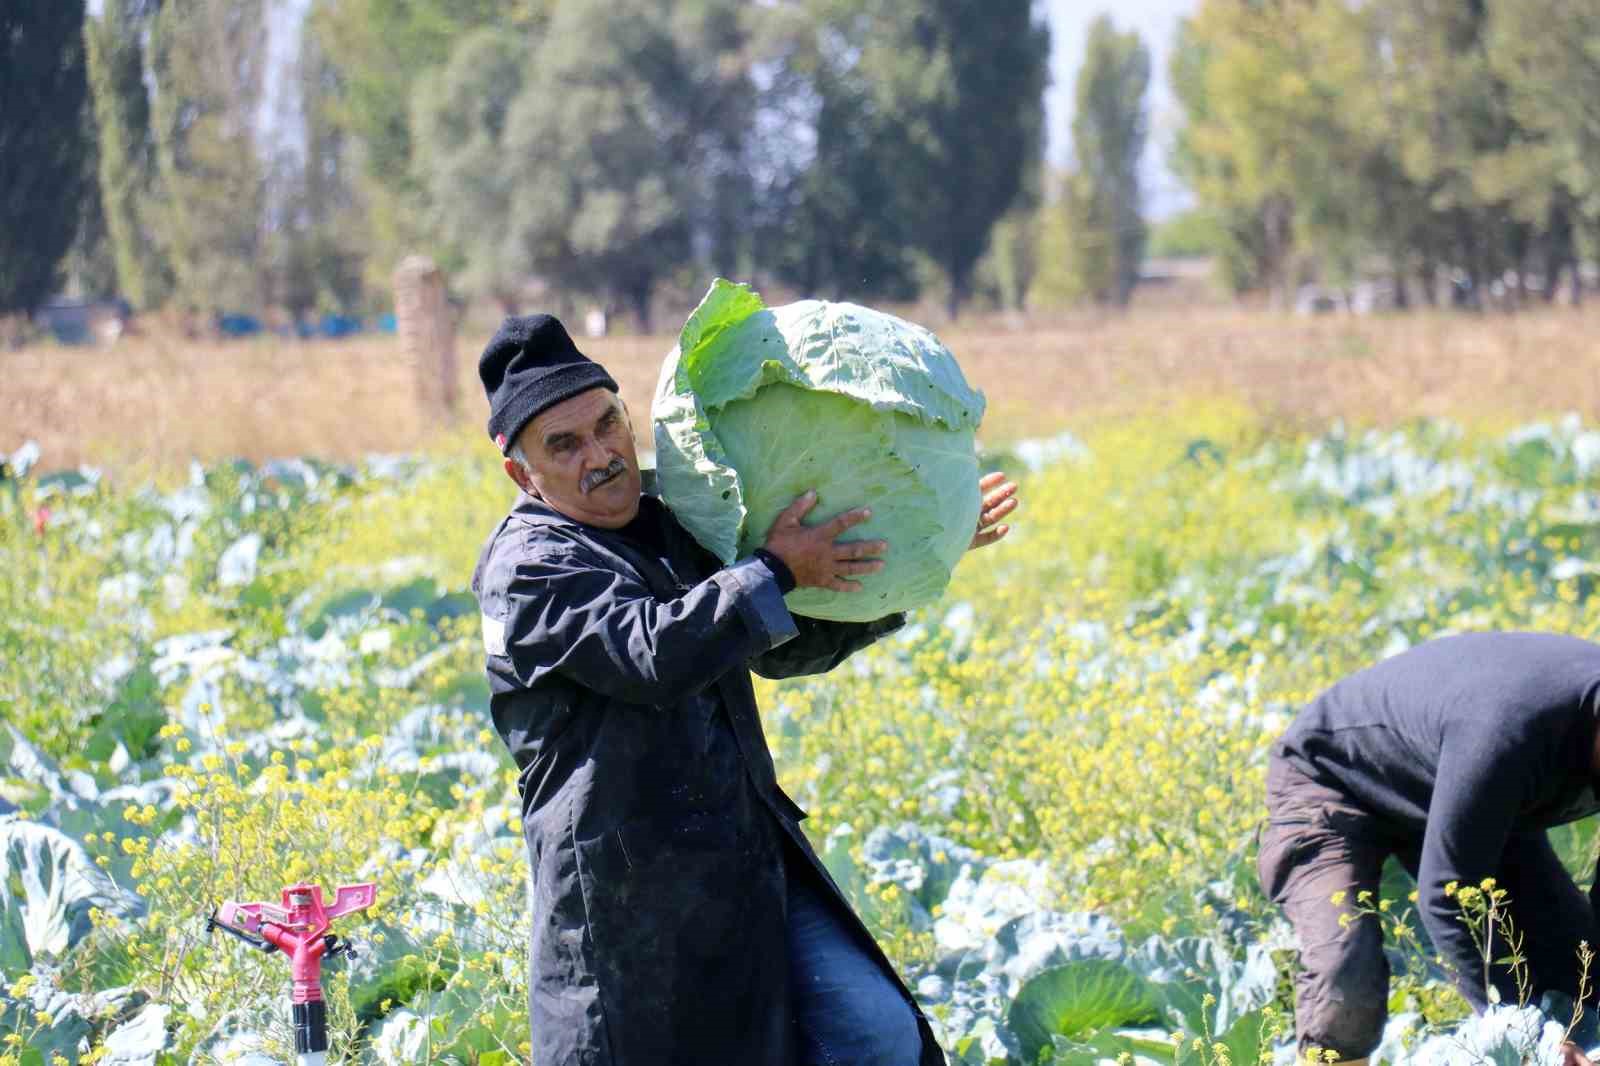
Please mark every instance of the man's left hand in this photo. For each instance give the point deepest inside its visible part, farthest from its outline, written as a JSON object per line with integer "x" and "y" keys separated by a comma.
{"x": 1572, "y": 1055}
{"x": 999, "y": 500}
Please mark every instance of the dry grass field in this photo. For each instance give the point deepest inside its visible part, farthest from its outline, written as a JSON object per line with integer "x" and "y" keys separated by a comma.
{"x": 151, "y": 402}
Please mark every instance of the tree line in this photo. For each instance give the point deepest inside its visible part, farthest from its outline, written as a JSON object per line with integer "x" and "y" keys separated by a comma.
{"x": 1452, "y": 146}
{"x": 601, "y": 150}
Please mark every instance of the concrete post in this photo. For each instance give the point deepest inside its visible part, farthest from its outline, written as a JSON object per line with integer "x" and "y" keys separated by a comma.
{"x": 427, "y": 328}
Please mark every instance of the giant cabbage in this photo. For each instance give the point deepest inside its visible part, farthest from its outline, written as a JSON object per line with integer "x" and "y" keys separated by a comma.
{"x": 756, "y": 405}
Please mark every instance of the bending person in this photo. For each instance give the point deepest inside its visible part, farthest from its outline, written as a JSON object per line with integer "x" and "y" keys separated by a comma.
{"x": 1454, "y": 757}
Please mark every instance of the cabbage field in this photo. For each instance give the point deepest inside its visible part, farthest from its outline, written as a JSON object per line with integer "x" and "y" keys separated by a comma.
{"x": 1042, "y": 793}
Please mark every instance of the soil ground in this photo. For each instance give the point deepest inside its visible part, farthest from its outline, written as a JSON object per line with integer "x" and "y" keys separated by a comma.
{"x": 153, "y": 401}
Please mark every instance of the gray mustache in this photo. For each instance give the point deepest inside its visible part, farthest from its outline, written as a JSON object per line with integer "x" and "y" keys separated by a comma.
{"x": 595, "y": 478}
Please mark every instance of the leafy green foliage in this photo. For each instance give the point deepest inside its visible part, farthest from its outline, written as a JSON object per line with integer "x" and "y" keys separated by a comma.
{"x": 1328, "y": 138}
{"x": 1078, "y": 1000}
{"x": 1100, "y": 197}
{"x": 208, "y": 58}
{"x": 958, "y": 86}
{"x": 608, "y": 203}
{"x": 374, "y": 53}
{"x": 43, "y": 95}
{"x": 462, "y": 159}
{"x": 1195, "y": 232}
{"x": 1056, "y": 771}
{"x": 48, "y": 885}
{"x": 129, "y": 180}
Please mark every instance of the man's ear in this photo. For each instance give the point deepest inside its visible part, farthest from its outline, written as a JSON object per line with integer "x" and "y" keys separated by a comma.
{"x": 519, "y": 473}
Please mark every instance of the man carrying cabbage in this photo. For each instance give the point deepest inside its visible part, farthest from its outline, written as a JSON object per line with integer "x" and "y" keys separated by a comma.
{"x": 679, "y": 915}
{"x": 1454, "y": 757}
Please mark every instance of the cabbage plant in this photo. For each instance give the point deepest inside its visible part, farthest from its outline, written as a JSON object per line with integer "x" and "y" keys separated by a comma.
{"x": 756, "y": 405}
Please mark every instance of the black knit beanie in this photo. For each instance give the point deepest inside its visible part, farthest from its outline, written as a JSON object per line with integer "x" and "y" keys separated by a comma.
{"x": 530, "y": 365}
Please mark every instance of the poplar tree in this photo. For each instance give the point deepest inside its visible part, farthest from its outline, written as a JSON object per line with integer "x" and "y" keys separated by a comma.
{"x": 129, "y": 181}
{"x": 959, "y": 88}
{"x": 43, "y": 96}
{"x": 1102, "y": 197}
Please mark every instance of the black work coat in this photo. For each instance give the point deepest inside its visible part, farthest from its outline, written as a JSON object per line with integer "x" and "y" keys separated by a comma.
{"x": 655, "y": 825}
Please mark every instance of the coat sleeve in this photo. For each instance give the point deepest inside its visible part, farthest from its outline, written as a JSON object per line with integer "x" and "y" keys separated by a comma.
{"x": 1480, "y": 784}
{"x": 819, "y": 646}
{"x": 601, "y": 628}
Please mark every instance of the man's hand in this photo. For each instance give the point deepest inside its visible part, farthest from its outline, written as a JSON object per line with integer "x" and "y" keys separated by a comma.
{"x": 815, "y": 555}
{"x": 999, "y": 500}
{"x": 1572, "y": 1055}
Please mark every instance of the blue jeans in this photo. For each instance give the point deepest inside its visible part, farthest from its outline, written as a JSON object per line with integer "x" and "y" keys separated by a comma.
{"x": 848, "y": 1011}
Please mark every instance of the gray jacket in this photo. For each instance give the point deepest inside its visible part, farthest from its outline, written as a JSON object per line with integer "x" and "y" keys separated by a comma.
{"x": 655, "y": 826}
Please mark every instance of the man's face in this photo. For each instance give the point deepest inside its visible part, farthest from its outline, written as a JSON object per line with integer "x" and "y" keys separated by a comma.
{"x": 581, "y": 460}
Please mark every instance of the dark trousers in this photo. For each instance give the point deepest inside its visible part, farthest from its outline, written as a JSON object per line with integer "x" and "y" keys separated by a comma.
{"x": 1317, "y": 842}
{"x": 847, "y": 1010}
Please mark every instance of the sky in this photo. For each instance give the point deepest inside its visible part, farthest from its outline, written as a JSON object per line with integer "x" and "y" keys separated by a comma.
{"x": 1157, "y": 22}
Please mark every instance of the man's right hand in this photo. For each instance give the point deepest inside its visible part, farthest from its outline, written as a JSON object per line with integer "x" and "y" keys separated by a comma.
{"x": 815, "y": 555}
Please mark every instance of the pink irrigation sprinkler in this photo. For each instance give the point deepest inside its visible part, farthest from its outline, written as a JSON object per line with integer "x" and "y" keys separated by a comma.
{"x": 299, "y": 929}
